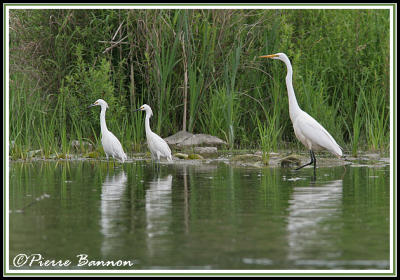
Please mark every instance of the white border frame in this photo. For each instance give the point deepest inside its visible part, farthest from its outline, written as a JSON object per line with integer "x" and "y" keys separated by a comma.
{"x": 193, "y": 6}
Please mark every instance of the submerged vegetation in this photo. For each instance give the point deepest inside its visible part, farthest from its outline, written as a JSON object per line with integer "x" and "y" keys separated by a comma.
{"x": 199, "y": 70}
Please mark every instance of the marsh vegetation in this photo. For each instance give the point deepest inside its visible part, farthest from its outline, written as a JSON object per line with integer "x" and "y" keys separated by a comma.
{"x": 199, "y": 70}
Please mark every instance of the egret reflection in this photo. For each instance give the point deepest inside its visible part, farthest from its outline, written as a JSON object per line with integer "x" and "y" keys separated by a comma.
{"x": 158, "y": 212}
{"x": 310, "y": 209}
{"x": 113, "y": 212}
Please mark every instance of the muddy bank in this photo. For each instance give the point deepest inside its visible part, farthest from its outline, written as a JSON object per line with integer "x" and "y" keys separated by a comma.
{"x": 253, "y": 159}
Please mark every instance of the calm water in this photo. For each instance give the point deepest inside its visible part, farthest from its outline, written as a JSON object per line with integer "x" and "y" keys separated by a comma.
{"x": 199, "y": 217}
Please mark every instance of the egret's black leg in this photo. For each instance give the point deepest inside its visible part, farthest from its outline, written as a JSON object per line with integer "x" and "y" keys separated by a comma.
{"x": 311, "y": 162}
{"x": 314, "y": 159}
{"x": 315, "y": 165}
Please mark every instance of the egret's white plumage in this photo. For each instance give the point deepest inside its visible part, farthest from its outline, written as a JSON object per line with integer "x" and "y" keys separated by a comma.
{"x": 157, "y": 146}
{"x": 309, "y": 132}
{"x": 111, "y": 145}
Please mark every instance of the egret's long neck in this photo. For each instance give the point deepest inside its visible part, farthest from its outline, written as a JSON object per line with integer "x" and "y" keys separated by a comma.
{"x": 103, "y": 125}
{"x": 293, "y": 105}
{"x": 147, "y": 124}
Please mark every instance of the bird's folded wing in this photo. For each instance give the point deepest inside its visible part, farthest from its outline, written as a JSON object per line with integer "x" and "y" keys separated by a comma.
{"x": 317, "y": 134}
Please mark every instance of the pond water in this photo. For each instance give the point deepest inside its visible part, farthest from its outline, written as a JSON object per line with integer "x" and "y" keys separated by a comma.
{"x": 203, "y": 216}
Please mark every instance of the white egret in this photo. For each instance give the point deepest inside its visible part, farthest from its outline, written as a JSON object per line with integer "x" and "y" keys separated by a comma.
{"x": 307, "y": 130}
{"x": 111, "y": 145}
{"x": 157, "y": 146}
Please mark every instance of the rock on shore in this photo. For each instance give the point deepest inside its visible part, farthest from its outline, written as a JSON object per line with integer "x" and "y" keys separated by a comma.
{"x": 184, "y": 139}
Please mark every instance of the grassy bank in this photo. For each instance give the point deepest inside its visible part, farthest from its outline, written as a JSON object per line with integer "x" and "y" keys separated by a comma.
{"x": 199, "y": 70}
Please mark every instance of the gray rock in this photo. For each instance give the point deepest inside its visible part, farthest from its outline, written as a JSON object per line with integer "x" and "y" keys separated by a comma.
{"x": 205, "y": 150}
{"x": 201, "y": 139}
{"x": 247, "y": 158}
{"x": 178, "y": 137}
{"x": 373, "y": 155}
{"x": 181, "y": 155}
{"x": 290, "y": 161}
{"x": 77, "y": 145}
{"x": 260, "y": 153}
{"x": 34, "y": 153}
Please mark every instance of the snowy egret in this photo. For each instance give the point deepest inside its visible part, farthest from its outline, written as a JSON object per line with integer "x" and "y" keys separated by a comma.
{"x": 111, "y": 145}
{"x": 307, "y": 130}
{"x": 157, "y": 146}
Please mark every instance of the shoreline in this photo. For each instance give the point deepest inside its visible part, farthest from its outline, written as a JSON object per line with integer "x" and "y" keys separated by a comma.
{"x": 242, "y": 158}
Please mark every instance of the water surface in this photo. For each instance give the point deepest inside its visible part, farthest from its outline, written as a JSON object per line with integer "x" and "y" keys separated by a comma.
{"x": 209, "y": 216}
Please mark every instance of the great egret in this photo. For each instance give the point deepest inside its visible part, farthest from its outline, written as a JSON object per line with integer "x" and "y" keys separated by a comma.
{"x": 157, "y": 146}
{"x": 111, "y": 145}
{"x": 308, "y": 131}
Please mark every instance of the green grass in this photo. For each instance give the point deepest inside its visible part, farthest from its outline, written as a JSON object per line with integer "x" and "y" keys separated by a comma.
{"x": 205, "y": 61}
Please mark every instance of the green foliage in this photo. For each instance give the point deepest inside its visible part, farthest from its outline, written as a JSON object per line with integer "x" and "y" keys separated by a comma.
{"x": 222, "y": 116}
{"x": 268, "y": 135}
{"x": 83, "y": 86}
{"x": 63, "y": 60}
